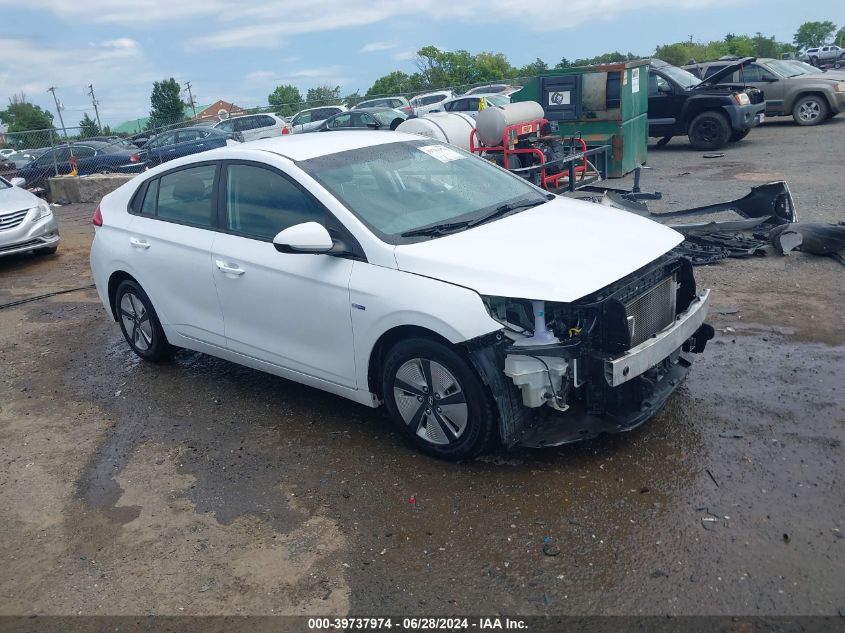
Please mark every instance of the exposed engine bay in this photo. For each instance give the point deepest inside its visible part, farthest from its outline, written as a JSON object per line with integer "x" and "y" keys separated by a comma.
{"x": 607, "y": 361}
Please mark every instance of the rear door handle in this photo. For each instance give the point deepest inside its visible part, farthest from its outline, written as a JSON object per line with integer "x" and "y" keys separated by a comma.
{"x": 229, "y": 269}
{"x": 143, "y": 244}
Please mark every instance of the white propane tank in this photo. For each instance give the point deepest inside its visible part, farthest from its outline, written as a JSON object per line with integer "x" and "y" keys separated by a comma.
{"x": 492, "y": 120}
{"x": 450, "y": 127}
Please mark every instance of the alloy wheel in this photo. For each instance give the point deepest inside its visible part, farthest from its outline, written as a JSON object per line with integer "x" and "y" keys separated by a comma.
{"x": 809, "y": 111}
{"x": 136, "y": 321}
{"x": 431, "y": 401}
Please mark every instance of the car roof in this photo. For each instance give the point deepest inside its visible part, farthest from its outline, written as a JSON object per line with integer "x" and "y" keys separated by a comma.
{"x": 304, "y": 146}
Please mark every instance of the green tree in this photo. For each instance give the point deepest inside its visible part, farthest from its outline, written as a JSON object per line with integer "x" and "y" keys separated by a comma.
{"x": 286, "y": 99}
{"x": 22, "y": 116}
{"x": 396, "y": 83}
{"x": 88, "y": 127}
{"x": 537, "y": 67}
{"x": 166, "y": 106}
{"x": 763, "y": 46}
{"x": 323, "y": 95}
{"x": 839, "y": 38}
{"x": 811, "y": 34}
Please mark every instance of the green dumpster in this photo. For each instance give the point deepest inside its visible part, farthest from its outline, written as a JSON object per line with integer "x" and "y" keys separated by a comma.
{"x": 605, "y": 105}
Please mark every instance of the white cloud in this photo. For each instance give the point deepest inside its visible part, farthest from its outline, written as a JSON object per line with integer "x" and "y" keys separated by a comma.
{"x": 405, "y": 56}
{"x": 374, "y": 47}
{"x": 326, "y": 71}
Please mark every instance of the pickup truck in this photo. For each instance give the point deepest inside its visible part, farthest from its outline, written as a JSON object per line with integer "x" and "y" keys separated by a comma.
{"x": 712, "y": 114}
{"x": 823, "y": 55}
{"x": 810, "y": 98}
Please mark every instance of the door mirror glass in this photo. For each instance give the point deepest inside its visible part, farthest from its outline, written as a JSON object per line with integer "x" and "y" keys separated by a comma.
{"x": 308, "y": 237}
{"x": 18, "y": 182}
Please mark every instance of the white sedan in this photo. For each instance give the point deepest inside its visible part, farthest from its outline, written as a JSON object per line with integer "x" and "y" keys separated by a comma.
{"x": 26, "y": 222}
{"x": 396, "y": 270}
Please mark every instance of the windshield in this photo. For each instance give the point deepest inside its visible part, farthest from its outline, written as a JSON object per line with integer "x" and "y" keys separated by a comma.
{"x": 680, "y": 76}
{"x": 804, "y": 67}
{"x": 782, "y": 68}
{"x": 400, "y": 187}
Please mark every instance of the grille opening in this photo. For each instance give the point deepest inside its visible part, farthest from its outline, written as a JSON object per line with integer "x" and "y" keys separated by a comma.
{"x": 652, "y": 311}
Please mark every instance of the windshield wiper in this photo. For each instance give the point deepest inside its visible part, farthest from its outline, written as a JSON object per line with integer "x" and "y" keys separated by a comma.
{"x": 438, "y": 229}
{"x": 506, "y": 208}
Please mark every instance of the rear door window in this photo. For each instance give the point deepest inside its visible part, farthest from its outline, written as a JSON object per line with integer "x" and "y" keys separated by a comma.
{"x": 186, "y": 196}
{"x": 148, "y": 207}
{"x": 261, "y": 202}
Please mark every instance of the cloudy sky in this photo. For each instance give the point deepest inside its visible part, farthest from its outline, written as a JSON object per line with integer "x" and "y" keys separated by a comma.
{"x": 239, "y": 50}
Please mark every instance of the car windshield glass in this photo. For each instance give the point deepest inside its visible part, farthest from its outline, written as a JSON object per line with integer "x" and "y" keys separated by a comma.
{"x": 782, "y": 68}
{"x": 396, "y": 188}
{"x": 680, "y": 76}
{"x": 804, "y": 67}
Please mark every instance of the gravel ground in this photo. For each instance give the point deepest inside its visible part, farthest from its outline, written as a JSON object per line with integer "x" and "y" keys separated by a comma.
{"x": 200, "y": 487}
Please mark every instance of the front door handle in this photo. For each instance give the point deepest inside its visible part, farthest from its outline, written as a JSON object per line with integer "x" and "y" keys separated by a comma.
{"x": 229, "y": 269}
{"x": 143, "y": 244}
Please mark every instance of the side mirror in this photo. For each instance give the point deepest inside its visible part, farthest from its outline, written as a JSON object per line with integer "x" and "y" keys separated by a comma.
{"x": 665, "y": 89}
{"x": 18, "y": 182}
{"x": 308, "y": 237}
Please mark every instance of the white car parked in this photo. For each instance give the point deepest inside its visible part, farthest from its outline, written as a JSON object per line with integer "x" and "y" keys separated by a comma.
{"x": 252, "y": 127}
{"x": 311, "y": 118}
{"x": 430, "y": 101}
{"x": 471, "y": 104}
{"x": 26, "y": 222}
{"x": 396, "y": 270}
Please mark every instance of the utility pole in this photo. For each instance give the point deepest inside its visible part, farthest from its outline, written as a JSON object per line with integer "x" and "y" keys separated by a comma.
{"x": 191, "y": 97}
{"x": 58, "y": 109}
{"x": 95, "y": 102}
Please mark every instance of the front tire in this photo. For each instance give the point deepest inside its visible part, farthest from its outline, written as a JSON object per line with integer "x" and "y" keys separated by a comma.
{"x": 139, "y": 322}
{"x": 709, "y": 131}
{"x": 810, "y": 110}
{"x": 437, "y": 400}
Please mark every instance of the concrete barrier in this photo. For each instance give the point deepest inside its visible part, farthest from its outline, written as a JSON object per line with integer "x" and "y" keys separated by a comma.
{"x": 84, "y": 188}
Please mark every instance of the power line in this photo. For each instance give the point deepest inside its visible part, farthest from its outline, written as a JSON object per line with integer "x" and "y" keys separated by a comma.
{"x": 58, "y": 109}
{"x": 95, "y": 102}
{"x": 191, "y": 97}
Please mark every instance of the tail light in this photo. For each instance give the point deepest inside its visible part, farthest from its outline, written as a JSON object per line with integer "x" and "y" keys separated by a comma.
{"x": 285, "y": 130}
{"x": 134, "y": 158}
{"x": 97, "y": 220}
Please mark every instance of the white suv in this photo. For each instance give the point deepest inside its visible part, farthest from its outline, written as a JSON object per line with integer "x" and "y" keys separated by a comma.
{"x": 430, "y": 101}
{"x": 255, "y": 126}
{"x": 391, "y": 269}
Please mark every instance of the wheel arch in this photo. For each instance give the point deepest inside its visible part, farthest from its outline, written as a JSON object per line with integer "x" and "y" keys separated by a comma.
{"x": 388, "y": 339}
{"x": 811, "y": 93}
{"x": 115, "y": 279}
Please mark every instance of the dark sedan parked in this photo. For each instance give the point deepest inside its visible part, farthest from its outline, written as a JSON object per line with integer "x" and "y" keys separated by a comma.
{"x": 182, "y": 142}
{"x": 363, "y": 119}
{"x": 92, "y": 157}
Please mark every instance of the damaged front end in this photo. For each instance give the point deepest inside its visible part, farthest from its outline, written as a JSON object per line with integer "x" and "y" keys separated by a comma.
{"x": 563, "y": 372}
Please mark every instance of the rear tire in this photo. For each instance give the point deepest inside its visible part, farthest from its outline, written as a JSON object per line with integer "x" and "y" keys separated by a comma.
{"x": 139, "y": 322}
{"x": 738, "y": 136}
{"x": 47, "y": 251}
{"x": 709, "y": 131}
{"x": 810, "y": 110}
{"x": 436, "y": 399}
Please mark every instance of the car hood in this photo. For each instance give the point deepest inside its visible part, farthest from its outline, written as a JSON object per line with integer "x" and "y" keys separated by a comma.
{"x": 16, "y": 199}
{"x": 713, "y": 79}
{"x": 559, "y": 251}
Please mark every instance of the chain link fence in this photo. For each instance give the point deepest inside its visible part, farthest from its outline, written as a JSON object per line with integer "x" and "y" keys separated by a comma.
{"x": 37, "y": 155}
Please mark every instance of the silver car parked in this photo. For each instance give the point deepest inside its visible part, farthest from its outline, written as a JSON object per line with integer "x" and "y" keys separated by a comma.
{"x": 26, "y": 222}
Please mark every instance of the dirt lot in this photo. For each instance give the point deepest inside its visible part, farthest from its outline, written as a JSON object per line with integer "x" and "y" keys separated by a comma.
{"x": 199, "y": 487}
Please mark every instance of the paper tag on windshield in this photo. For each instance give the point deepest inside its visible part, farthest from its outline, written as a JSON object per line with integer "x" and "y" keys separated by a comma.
{"x": 441, "y": 153}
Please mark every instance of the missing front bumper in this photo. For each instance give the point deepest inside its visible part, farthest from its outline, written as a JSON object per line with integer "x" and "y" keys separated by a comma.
{"x": 647, "y": 354}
